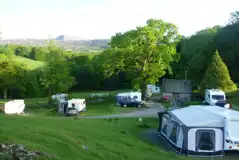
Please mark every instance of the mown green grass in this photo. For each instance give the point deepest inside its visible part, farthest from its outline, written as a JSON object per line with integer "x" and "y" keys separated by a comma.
{"x": 106, "y": 140}
{"x": 29, "y": 63}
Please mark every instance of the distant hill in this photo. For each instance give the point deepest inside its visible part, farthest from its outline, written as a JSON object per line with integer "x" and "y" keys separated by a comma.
{"x": 64, "y": 43}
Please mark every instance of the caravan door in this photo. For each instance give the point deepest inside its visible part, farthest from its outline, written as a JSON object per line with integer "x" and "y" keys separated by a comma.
{"x": 205, "y": 140}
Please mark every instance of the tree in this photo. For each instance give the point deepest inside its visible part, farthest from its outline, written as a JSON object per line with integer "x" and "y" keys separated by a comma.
{"x": 195, "y": 54}
{"x": 146, "y": 52}
{"x": 234, "y": 17}
{"x": 56, "y": 74}
{"x": 217, "y": 76}
{"x": 7, "y": 76}
{"x": 227, "y": 43}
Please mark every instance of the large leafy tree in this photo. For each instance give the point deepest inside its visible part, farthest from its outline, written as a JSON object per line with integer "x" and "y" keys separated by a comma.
{"x": 56, "y": 74}
{"x": 145, "y": 52}
{"x": 217, "y": 76}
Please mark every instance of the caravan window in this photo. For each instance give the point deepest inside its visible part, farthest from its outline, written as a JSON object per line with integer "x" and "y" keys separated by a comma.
{"x": 205, "y": 140}
{"x": 174, "y": 134}
{"x": 135, "y": 97}
{"x": 164, "y": 125}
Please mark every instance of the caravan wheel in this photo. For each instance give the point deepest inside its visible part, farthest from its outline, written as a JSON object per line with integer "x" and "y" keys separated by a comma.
{"x": 125, "y": 105}
{"x": 139, "y": 105}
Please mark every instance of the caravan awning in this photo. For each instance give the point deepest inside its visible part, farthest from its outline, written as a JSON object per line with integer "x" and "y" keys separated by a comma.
{"x": 196, "y": 116}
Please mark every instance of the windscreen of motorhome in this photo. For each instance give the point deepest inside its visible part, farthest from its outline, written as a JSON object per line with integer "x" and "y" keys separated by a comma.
{"x": 234, "y": 129}
{"x": 218, "y": 97}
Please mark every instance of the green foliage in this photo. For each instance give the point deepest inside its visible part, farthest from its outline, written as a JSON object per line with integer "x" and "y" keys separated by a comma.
{"x": 195, "y": 53}
{"x": 3, "y": 57}
{"x": 217, "y": 76}
{"x": 7, "y": 75}
{"x": 227, "y": 42}
{"x": 234, "y": 17}
{"x": 56, "y": 75}
{"x": 145, "y": 52}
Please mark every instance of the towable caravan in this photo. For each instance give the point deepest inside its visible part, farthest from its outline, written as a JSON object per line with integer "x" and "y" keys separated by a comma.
{"x": 59, "y": 97}
{"x": 14, "y": 107}
{"x": 134, "y": 95}
{"x": 231, "y": 126}
{"x": 73, "y": 105}
{"x": 193, "y": 131}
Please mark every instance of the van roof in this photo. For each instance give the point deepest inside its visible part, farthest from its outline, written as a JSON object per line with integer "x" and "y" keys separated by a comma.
{"x": 215, "y": 91}
{"x": 194, "y": 115}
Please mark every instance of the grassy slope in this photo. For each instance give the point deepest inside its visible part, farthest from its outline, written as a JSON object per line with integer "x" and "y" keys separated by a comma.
{"x": 106, "y": 140}
{"x": 30, "y": 64}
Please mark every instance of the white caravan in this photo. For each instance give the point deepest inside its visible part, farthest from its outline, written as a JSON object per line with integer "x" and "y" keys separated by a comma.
{"x": 212, "y": 96}
{"x": 133, "y": 95}
{"x": 231, "y": 125}
{"x": 153, "y": 89}
{"x": 59, "y": 97}
{"x": 14, "y": 107}
{"x": 78, "y": 104}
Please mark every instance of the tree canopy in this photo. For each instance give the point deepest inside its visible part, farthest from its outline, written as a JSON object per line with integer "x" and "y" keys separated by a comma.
{"x": 145, "y": 52}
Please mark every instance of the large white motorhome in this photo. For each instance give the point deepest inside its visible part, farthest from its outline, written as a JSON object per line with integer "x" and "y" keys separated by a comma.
{"x": 231, "y": 125}
{"x": 212, "y": 96}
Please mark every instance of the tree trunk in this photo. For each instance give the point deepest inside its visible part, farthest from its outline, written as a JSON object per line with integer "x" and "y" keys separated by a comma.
{"x": 144, "y": 90}
{"x": 49, "y": 95}
{"x": 5, "y": 93}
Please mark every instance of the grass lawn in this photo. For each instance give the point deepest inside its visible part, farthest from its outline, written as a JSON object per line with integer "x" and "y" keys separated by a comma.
{"x": 39, "y": 106}
{"x": 30, "y": 64}
{"x": 117, "y": 139}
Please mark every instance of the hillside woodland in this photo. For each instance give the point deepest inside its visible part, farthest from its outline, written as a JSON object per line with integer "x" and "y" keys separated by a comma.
{"x": 131, "y": 59}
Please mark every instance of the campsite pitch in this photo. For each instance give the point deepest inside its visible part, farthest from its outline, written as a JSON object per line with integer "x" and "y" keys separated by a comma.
{"x": 98, "y": 139}
{"x": 82, "y": 138}
{"x": 39, "y": 106}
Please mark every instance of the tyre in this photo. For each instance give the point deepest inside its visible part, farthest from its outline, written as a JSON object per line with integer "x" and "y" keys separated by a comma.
{"x": 125, "y": 105}
{"x": 139, "y": 105}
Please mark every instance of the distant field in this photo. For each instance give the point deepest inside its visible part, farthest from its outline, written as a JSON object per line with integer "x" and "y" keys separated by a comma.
{"x": 30, "y": 64}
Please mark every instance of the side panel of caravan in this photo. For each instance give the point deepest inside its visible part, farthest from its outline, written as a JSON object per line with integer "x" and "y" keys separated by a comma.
{"x": 205, "y": 140}
{"x": 172, "y": 132}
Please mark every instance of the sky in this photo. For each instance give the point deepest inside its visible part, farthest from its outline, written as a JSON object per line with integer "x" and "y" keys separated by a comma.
{"x": 100, "y": 19}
